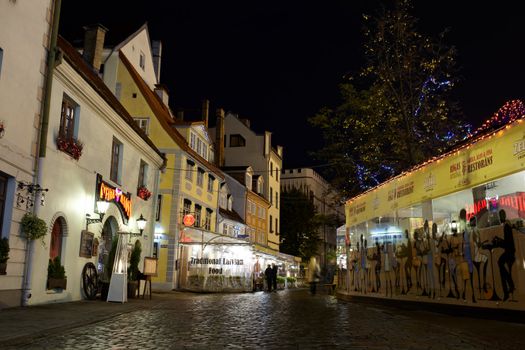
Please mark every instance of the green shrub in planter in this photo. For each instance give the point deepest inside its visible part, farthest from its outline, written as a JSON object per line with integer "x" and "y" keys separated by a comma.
{"x": 33, "y": 227}
{"x": 56, "y": 274}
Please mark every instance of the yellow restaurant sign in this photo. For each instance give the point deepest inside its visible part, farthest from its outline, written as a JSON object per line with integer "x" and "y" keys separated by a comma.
{"x": 113, "y": 194}
{"x": 494, "y": 156}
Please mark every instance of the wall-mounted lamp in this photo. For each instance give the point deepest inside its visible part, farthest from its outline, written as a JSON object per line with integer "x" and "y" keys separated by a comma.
{"x": 454, "y": 226}
{"x": 141, "y": 224}
{"x": 102, "y": 207}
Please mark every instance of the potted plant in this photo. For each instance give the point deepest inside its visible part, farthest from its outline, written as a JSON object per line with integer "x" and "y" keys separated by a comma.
{"x": 56, "y": 274}
{"x": 4, "y": 255}
{"x": 71, "y": 146}
{"x": 33, "y": 227}
{"x": 143, "y": 193}
{"x": 133, "y": 270}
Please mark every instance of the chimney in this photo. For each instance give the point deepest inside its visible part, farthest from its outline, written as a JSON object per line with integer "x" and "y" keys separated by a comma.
{"x": 156, "y": 50}
{"x": 219, "y": 138}
{"x": 205, "y": 112}
{"x": 246, "y": 122}
{"x": 94, "y": 44}
{"x": 180, "y": 115}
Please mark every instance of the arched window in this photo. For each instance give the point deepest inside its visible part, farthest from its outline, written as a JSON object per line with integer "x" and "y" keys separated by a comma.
{"x": 57, "y": 234}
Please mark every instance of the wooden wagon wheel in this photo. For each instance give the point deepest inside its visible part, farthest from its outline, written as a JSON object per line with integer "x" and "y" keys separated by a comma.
{"x": 90, "y": 281}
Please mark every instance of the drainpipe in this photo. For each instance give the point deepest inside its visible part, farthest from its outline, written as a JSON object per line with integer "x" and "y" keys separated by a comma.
{"x": 44, "y": 125}
{"x": 155, "y": 204}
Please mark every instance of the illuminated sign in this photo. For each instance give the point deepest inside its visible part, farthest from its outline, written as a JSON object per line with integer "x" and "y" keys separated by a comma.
{"x": 112, "y": 194}
{"x": 515, "y": 201}
{"x": 188, "y": 220}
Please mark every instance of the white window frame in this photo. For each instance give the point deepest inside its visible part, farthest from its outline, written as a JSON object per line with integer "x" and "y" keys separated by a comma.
{"x": 143, "y": 124}
{"x": 200, "y": 177}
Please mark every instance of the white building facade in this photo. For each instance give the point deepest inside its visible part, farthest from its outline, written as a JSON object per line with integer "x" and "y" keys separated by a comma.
{"x": 115, "y": 159}
{"x": 243, "y": 147}
{"x": 24, "y": 38}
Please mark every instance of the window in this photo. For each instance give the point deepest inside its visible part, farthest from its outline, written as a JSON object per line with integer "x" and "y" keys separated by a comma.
{"x": 224, "y": 228}
{"x": 189, "y": 169}
{"x": 277, "y": 174}
{"x": 237, "y": 140}
{"x": 143, "y": 173}
{"x": 68, "y": 119}
{"x": 142, "y": 60}
{"x": 55, "y": 247}
{"x": 277, "y": 200}
{"x": 187, "y": 207}
{"x": 271, "y": 195}
{"x": 1, "y": 58}
{"x": 276, "y": 226}
{"x": 198, "y": 210}
{"x": 118, "y": 90}
{"x": 3, "y": 198}
{"x": 199, "y": 146}
{"x": 211, "y": 179}
{"x": 116, "y": 161}
{"x": 271, "y": 169}
{"x": 200, "y": 177}
{"x": 207, "y": 219}
{"x": 271, "y": 224}
{"x": 192, "y": 142}
{"x": 159, "y": 207}
{"x": 143, "y": 123}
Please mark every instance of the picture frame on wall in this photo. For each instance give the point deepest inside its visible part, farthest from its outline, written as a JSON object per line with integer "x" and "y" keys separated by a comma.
{"x": 86, "y": 244}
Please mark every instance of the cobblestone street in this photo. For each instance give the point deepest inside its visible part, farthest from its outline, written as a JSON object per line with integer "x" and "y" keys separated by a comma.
{"x": 283, "y": 320}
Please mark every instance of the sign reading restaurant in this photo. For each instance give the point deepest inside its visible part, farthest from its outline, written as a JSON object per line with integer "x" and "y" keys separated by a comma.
{"x": 473, "y": 163}
{"x": 107, "y": 192}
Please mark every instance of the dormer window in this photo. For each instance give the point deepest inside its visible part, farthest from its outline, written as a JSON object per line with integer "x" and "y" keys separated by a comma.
{"x": 237, "y": 140}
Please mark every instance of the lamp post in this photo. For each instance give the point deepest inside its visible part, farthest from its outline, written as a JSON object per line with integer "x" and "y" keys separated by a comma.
{"x": 102, "y": 207}
{"x": 141, "y": 224}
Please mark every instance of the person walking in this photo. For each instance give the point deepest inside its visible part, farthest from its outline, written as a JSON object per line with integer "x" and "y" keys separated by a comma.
{"x": 314, "y": 273}
{"x": 275, "y": 270}
{"x": 269, "y": 278}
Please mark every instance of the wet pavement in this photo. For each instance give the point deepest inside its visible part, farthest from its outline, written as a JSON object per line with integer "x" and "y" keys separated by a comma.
{"x": 291, "y": 319}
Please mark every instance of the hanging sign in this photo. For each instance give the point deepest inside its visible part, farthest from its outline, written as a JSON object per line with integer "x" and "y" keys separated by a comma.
{"x": 109, "y": 193}
{"x": 188, "y": 220}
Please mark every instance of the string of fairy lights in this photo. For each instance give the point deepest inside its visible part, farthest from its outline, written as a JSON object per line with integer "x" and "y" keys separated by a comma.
{"x": 510, "y": 114}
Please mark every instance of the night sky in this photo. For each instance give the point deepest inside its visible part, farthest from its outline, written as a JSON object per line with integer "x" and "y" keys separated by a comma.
{"x": 278, "y": 62}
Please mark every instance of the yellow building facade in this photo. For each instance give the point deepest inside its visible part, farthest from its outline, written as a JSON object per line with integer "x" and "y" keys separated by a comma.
{"x": 190, "y": 183}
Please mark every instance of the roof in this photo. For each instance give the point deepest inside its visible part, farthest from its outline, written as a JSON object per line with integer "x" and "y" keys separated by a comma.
{"x": 231, "y": 214}
{"x": 234, "y": 168}
{"x": 164, "y": 117}
{"x": 86, "y": 71}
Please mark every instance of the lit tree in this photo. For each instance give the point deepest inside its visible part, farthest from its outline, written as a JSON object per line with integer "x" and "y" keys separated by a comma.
{"x": 398, "y": 111}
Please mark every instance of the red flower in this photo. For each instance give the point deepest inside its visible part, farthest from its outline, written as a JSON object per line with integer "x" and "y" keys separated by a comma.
{"x": 143, "y": 193}
{"x": 71, "y": 146}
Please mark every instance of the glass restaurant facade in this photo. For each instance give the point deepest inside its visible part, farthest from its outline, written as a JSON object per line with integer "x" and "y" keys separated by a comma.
{"x": 438, "y": 231}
